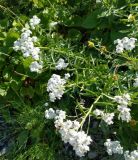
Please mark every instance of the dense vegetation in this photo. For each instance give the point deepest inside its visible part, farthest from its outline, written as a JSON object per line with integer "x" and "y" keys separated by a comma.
{"x": 79, "y": 57}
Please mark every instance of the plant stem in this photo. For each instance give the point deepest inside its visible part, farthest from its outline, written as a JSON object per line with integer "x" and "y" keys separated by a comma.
{"x": 87, "y": 114}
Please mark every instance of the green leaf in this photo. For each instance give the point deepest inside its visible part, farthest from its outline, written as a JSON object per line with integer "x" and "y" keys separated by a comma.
{"x": 27, "y": 62}
{"x": 11, "y": 37}
{"x": 91, "y": 21}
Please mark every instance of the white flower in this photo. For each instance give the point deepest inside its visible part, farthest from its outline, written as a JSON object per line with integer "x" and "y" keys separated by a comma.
{"x": 76, "y": 125}
{"x": 58, "y": 123}
{"x": 127, "y": 97}
{"x": 34, "y": 21}
{"x": 35, "y": 67}
{"x": 61, "y": 64}
{"x": 35, "y": 53}
{"x": 113, "y": 147}
{"x": 78, "y": 139}
{"x": 135, "y": 84}
{"x": 125, "y": 44}
{"x": 69, "y": 132}
{"x": 119, "y": 49}
{"x": 131, "y": 155}
{"x": 98, "y": 112}
{"x": 50, "y": 114}
{"x": 34, "y": 39}
{"x": 61, "y": 114}
{"x": 108, "y": 118}
{"x": 117, "y": 41}
{"x": 124, "y": 99}
{"x": 67, "y": 76}
{"x": 124, "y": 111}
{"x": 25, "y": 44}
{"x": 124, "y": 114}
{"x": 52, "y": 96}
{"x": 81, "y": 143}
{"x": 46, "y": 104}
{"x": 55, "y": 87}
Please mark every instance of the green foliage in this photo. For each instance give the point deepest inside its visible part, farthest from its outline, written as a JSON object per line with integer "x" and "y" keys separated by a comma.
{"x": 95, "y": 70}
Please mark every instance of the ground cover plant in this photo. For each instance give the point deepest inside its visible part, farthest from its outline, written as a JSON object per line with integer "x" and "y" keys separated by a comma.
{"x": 68, "y": 80}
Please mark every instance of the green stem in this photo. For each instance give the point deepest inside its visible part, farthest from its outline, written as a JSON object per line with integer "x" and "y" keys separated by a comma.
{"x": 108, "y": 96}
{"x": 60, "y": 51}
{"x": 88, "y": 113}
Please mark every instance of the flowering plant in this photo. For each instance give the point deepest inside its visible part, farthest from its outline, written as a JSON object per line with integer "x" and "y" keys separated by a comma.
{"x": 68, "y": 80}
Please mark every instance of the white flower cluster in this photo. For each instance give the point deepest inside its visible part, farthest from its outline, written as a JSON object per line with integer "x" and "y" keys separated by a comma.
{"x": 125, "y": 43}
{"x": 50, "y": 114}
{"x": 69, "y": 131}
{"x": 36, "y": 67}
{"x": 56, "y": 87}
{"x": 131, "y": 155}
{"x": 34, "y": 21}
{"x": 106, "y": 117}
{"x": 113, "y": 147}
{"x": 61, "y": 64}
{"x": 124, "y": 111}
{"x": 25, "y": 44}
{"x": 135, "y": 84}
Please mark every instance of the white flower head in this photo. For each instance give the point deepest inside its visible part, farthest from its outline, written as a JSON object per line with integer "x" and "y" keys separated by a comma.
{"x": 125, "y": 44}
{"x": 17, "y": 45}
{"x": 124, "y": 99}
{"x": 61, "y": 64}
{"x": 135, "y": 84}
{"x": 35, "y": 67}
{"x": 108, "y": 118}
{"x": 68, "y": 130}
{"x": 46, "y": 104}
{"x": 50, "y": 114}
{"x": 131, "y": 155}
{"x": 56, "y": 87}
{"x": 124, "y": 114}
{"x": 34, "y": 21}
{"x": 60, "y": 114}
{"x": 25, "y": 44}
{"x": 67, "y": 76}
{"x": 113, "y": 147}
{"x": 98, "y": 112}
